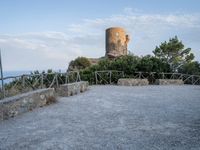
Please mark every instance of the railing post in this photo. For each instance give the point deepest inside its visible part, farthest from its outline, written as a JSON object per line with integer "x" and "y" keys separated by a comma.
{"x": 95, "y": 76}
{"x": 2, "y": 79}
{"x": 78, "y": 77}
{"x": 110, "y": 77}
{"x": 192, "y": 79}
{"x": 42, "y": 81}
{"x": 23, "y": 81}
{"x": 56, "y": 76}
{"x": 66, "y": 78}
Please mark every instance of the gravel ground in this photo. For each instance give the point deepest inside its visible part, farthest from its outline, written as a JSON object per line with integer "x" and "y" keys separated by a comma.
{"x": 111, "y": 117}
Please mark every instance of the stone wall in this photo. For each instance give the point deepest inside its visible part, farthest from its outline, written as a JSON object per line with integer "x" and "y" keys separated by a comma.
{"x": 12, "y": 106}
{"x": 169, "y": 82}
{"x": 132, "y": 82}
{"x": 72, "y": 88}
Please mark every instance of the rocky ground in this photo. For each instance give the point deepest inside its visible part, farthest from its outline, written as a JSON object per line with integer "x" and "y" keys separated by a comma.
{"x": 111, "y": 117}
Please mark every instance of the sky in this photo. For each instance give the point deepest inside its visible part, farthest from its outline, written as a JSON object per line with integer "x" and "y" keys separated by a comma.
{"x": 48, "y": 34}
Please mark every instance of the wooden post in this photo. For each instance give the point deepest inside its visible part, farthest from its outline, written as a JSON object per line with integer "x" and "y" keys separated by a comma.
{"x": 192, "y": 79}
{"x": 2, "y": 80}
{"x": 95, "y": 76}
{"x": 23, "y": 81}
{"x": 78, "y": 78}
{"x": 140, "y": 75}
{"x": 110, "y": 77}
{"x": 42, "y": 81}
{"x": 56, "y": 76}
{"x": 123, "y": 74}
{"x": 66, "y": 78}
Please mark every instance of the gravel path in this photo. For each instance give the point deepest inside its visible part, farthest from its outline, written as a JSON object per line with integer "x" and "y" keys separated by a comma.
{"x": 111, "y": 117}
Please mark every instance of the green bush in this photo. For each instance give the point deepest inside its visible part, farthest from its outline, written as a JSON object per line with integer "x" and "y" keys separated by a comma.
{"x": 152, "y": 64}
{"x": 79, "y": 64}
{"x": 128, "y": 64}
{"x": 190, "y": 68}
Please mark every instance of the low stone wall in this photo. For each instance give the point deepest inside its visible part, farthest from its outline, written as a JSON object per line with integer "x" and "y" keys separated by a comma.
{"x": 12, "y": 106}
{"x": 72, "y": 88}
{"x": 132, "y": 82}
{"x": 169, "y": 82}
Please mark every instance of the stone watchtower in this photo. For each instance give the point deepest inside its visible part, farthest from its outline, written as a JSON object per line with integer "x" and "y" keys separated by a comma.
{"x": 116, "y": 42}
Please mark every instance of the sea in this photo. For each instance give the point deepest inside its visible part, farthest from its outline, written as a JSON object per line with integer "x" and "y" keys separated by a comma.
{"x": 18, "y": 73}
{"x": 13, "y": 73}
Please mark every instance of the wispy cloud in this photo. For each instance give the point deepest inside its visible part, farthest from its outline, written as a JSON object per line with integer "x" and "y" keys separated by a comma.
{"x": 42, "y": 50}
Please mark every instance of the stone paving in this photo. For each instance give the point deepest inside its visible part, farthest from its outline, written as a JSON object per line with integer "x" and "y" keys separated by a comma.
{"x": 111, "y": 117}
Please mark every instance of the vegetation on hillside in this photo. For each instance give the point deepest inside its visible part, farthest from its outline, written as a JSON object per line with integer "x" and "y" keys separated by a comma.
{"x": 79, "y": 64}
{"x": 171, "y": 56}
{"x": 174, "y": 53}
{"x": 35, "y": 80}
{"x": 129, "y": 64}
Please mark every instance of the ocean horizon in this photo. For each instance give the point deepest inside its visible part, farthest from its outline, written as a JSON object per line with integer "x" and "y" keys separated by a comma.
{"x": 20, "y": 72}
{"x": 15, "y": 73}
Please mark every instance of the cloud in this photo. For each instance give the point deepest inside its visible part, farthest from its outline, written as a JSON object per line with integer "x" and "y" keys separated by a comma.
{"x": 37, "y": 51}
{"x": 146, "y": 30}
{"x": 53, "y": 49}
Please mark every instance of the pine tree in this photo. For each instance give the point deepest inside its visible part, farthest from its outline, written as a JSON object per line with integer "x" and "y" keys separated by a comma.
{"x": 174, "y": 53}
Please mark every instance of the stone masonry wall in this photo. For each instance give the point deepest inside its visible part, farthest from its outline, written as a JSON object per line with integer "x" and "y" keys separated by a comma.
{"x": 132, "y": 82}
{"x": 12, "y": 106}
{"x": 116, "y": 42}
{"x": 169, "y": 82}
{"x": 72, "y": 88}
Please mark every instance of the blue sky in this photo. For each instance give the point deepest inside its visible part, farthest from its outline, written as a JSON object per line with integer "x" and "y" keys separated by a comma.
{"x": 42, "y": 34}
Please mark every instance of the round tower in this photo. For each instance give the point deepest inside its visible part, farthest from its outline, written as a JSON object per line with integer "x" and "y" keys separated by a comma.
{"x": 116, "y": 42}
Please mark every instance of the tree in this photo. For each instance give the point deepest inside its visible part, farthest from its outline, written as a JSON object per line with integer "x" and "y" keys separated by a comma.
{"x": 174, "y": 53}
{"x": 127, "y": 63}
{"x": 152, "y": 64}
{"x": 191, "y": 68}
{"x": 79, "y": 64}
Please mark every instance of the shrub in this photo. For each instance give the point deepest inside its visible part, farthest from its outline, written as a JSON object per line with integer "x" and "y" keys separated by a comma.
{"x": 79, "y": 64}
